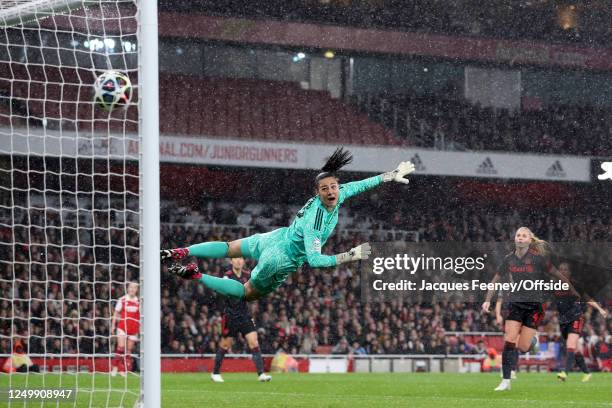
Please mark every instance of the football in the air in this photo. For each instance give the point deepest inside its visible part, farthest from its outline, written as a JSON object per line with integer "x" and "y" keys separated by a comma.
{"x": 113, "y": 90}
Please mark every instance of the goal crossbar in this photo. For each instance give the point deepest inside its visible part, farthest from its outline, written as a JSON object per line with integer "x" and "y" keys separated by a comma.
{"x": 14, "y": 12}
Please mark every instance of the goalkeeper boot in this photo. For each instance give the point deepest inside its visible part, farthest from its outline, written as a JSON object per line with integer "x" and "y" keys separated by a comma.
{"x": 189, "y": 271}
{"x": 174, "y": 254}
{"x": 263, "y": 377}
{"x": 586, "y": 377}
{"x": 562, "y": 376}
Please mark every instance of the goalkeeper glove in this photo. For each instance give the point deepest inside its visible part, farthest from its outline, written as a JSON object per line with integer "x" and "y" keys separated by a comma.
{"x": 403, "y": 169}
{"x": 190, "y": 271}
{"x": 358, "y": 253}
{"x": 174, "y": 254}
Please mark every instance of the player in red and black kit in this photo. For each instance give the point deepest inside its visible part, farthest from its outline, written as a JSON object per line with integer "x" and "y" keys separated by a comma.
{"x": 530, "y": 260}
{"x": 237, "y": 319}
{"x": 501, "y": 314}
{"x": 571, "y": 321}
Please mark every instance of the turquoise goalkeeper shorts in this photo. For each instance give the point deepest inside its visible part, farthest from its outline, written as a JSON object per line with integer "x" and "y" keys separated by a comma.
{"x": 274, "y": 265}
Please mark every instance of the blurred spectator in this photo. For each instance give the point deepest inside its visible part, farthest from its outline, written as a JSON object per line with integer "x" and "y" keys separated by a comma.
{"x": 480, "y": 348}
{"x": 602, "y": 352}
{"x": 444, "y": 123}
{"x": 528, "y": 20}
{"x": 19, "y": 361}
{"x": 342, "y": 347}
{"x": 492, "y": 362}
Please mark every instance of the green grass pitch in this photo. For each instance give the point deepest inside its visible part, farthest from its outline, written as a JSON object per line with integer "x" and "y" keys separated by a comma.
{"x": 334, "y": 390}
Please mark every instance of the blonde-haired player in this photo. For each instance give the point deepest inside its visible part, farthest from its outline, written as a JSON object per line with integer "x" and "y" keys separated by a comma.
{"x": 126, "y": 324}
{"x": 530, "y": 260}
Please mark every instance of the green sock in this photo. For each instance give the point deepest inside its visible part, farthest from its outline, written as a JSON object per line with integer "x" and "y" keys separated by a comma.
{"x": 209, "y": 250}
{"x": 227, "y": 287}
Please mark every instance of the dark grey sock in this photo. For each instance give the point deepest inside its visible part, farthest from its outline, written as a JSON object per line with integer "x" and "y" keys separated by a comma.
{"x": 507, "y": 359}
{"x": 581, "y": 363}
{"x": 258, "y": 360}
{"x": 515, "y": 360}
{"x": 219, "y": 359}
{"x": 569, "y": 360}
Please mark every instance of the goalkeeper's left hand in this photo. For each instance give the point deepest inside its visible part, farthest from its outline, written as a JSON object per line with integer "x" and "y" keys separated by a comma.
{"x": 190, "y": 271}
{"x": 358, "y": 253}
{"x": 402, "y": 170}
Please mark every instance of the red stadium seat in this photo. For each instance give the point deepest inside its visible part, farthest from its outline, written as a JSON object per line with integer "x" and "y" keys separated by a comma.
{"x": 323, "y": 349}
{"x": 229, "y": 107}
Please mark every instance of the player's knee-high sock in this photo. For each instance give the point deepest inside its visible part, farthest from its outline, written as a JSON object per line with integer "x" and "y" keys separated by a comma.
{"x": 219, "y": 359}
{"x": 569, "y": 361}
{"x": 118, "y": 359}
{"x": 227, "y": 287}
{"x": 515, "y": 360}
{"x": 581, "y": 363}
{"x": 258, "y": 360}
{"x": 507, "y": 358}
{"x": 128, "y": 362}
{"x": 209, "y": 250}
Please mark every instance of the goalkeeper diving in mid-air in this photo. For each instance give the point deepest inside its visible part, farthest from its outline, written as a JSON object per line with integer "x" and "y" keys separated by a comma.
{"x": 282, "y": 251}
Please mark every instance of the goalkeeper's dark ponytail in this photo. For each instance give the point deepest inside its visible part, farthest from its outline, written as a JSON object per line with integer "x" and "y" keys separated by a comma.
{"x": 336, "y": 161}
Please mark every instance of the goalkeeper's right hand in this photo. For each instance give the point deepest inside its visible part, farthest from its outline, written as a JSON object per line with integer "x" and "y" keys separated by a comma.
{"x": 358, "y": 253}
{"x": 174, "y": 254}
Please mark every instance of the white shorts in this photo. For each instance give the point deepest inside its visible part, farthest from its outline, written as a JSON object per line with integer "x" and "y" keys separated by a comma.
{"x": 122, "y": 333}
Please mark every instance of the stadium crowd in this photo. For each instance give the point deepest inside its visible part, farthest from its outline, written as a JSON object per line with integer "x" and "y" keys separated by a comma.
{"x": 445, "y": 122}
{"x": 57, "y": 301}
{"x": 59, "y": 283}
{"x": 542, "y": 20}
{"x": 318, "y": 308}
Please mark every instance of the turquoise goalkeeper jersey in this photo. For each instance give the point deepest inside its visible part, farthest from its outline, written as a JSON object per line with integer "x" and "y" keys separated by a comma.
{"x": 313, "y": 225}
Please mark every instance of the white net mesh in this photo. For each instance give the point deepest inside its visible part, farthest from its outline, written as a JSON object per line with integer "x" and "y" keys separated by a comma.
{"x": 69, "y": 210}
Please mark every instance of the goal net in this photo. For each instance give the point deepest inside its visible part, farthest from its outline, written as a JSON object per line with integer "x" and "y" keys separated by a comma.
{"x": 69, "y": 199}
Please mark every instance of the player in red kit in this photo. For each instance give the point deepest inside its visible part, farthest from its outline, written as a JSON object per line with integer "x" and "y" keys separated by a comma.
{"x": 126, "y": 322}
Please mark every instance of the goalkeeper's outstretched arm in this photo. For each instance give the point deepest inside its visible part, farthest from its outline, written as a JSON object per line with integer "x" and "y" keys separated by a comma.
{"x": 312, "y": 245}
{"x": 398, "y": 175}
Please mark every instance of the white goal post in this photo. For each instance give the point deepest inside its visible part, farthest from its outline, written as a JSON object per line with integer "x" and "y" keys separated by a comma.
{"x": 150, "y": 228}
{"x": 79, "y": 218}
